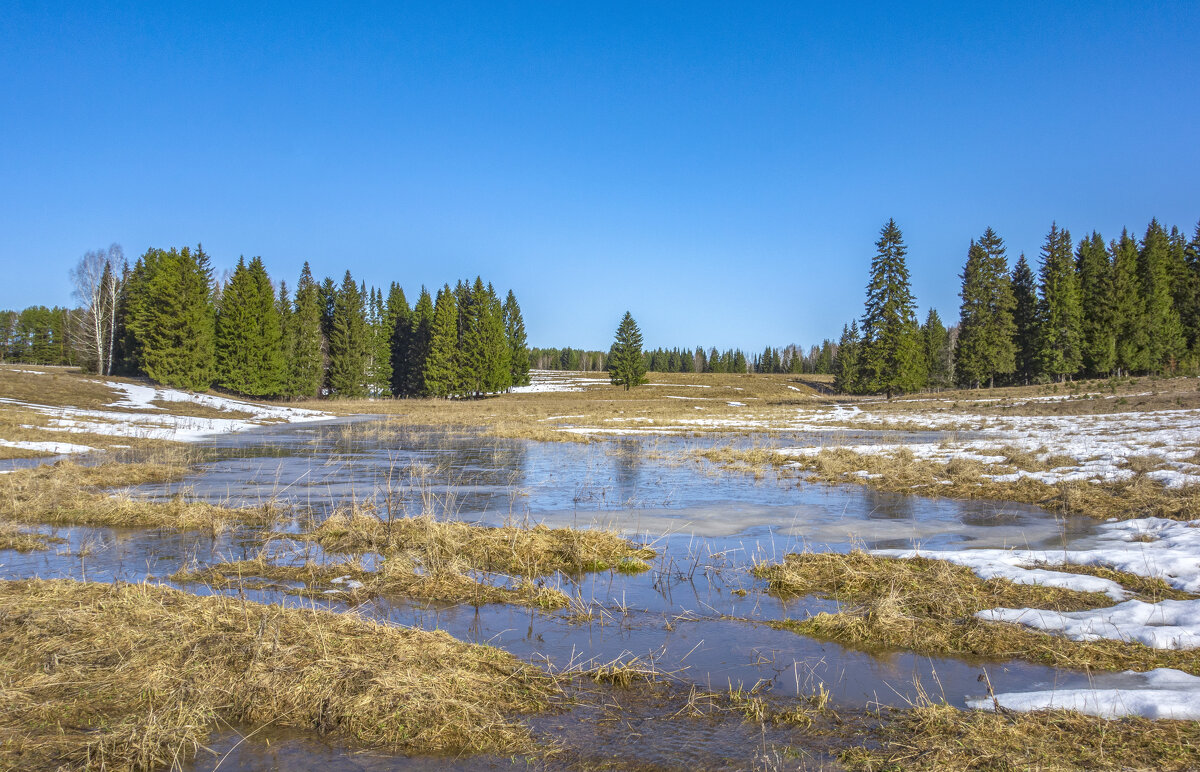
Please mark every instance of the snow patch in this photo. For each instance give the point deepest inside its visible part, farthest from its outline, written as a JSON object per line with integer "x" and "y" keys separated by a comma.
{"x": 1163, "y": 693}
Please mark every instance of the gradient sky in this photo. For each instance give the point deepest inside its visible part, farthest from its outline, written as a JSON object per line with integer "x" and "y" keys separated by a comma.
{"x": 721, "y": 170}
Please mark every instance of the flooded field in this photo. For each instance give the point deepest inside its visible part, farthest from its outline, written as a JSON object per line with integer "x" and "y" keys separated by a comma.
{"x": 697, "y": 619}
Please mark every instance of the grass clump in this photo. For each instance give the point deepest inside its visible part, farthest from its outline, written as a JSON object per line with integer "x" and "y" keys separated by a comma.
{"x": 939, "y": 736}
{"x": 396, "y": 575}
{"x": 14, "y": 538}
{"x": 137, "y": 676}
{"x": 928, "y": 606}
{"x": 528, "y": 552}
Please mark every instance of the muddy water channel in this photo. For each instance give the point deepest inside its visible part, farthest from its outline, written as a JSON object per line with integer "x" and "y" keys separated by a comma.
{"x": 698, "y": 617}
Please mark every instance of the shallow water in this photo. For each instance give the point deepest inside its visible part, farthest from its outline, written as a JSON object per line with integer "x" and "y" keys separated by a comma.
{"x": 687, "y": 616}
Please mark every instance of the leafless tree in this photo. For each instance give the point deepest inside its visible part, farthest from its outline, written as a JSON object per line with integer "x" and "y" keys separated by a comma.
{"x": 97, "y": 279}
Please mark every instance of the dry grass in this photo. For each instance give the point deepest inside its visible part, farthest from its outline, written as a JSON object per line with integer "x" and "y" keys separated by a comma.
{"x": 928, "y": 606}
{"x": 68, "y": 493}
{"x": 14, "y": 538}
{"x": 529, "y": 552}
{"x": 938, "y": 736}
{"x": 122, "y": 676}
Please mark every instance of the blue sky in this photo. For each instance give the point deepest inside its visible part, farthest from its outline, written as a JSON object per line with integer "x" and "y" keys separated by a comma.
{"x": 721, "y": 170}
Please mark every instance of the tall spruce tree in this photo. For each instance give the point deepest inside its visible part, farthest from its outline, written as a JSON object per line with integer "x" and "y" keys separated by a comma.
{"x": 1099, "y": 334}
{"x": 1190, "y": 312}
{"x": 1026, "y": 325}
{"x": 892, "y": 358}
{"x": 307, "y": 362}
{"x": 472, "y": 357}
{"x": 441, "y": 378}
{"x": 985, "y": 346}
{"x": 1129, "y": 307}
{"x": 347, "y": 375}
{"x": 1163, "y": 327}
{"x": 170, "y": 316}
{"x": 518, "y": 345}
{"x": 626, "y": 366}
{"x": 249, "y": 335}
{"x": 847, "y": 363}
{"x": 1060, "y": 353}
{"x": 287, "y": 338}
{"x": 420, "y": 342}
{"x": 937, "y": 351}
{"x": 379, "y": 366}
{"x": 399, "y": 317}
{"x": 498, "y": 371}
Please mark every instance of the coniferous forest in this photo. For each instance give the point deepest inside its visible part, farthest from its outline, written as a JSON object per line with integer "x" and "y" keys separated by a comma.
{"x": 167, "y": 318}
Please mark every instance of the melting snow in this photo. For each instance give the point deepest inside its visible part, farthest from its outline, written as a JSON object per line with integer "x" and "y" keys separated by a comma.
{"x": 1160, "y": 693}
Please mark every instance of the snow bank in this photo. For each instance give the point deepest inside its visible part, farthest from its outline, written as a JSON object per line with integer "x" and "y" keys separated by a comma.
{"x": 1162, "y": 693}
{"x": 48, "y": 447}
{"x": 1168, "y": 624}
{"x": 542, "y": 381}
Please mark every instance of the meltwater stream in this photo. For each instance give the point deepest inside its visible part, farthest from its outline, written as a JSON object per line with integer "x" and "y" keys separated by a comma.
{"x": 698, "y": 615}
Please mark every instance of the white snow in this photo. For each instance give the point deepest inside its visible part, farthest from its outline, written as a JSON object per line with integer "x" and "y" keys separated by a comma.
{"x": 48, "y": 447}
{"x": 542, "y": 381}
{"x": 1162, "y": 693}
{"x": 1168, "y": 624}
{"x": 351, "y": 584}
{"x": 736, "y": 404}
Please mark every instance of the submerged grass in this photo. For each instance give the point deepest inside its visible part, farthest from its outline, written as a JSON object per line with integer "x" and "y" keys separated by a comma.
{"x": 123, "y": 676}
{"x": 928, "y": 606}
{"x": 14, "y": 538}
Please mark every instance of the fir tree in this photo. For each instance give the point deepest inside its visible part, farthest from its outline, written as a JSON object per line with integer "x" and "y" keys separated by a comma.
{"x": 518, "y": 348}
{"x": 170, "y": 315}
{"x": 1098, "y": 330}
{"x": 307, "y": 364}
{"x": 380, "y": 343}
{"x": 472, "y": 357}
{"x": 1129, "y": 308}
{"x": 420, "y": 341}
{"x": 347, "y": 374}
{"x": 1162, "y": 322}
{"x": 1061, "y": 312}
{"x": 287, "y": 338}
{"x": 441, "y": 367}
{"x": 625, "y": 365}
{"x": 498, "y": 356}
{"x": 399, "y": 317}
{"x": 985, "y": 346}
{"x": 1026, "y": 326}
{"x": 1189, "y": 313}
{"x": 937, "y": 351}
{"x": 249, "y": 339}
{"x": 891, "y": 347}
{"x": 847, "y": 365}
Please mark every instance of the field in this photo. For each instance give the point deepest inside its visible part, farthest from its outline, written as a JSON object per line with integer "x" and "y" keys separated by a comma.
{"x": 281, "y": 615}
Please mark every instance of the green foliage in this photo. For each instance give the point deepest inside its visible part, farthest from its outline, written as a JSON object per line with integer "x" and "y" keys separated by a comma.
{"x": 1099, "y": 332}
{"x": 420, "y": 343}
{"x": 379, "y": 346}
{"x": 518, "y": 345}
{"x": 441, "y": 366}
{"x": 985, "y": 346}
{"x": 1060, "y": 352}
{"x": 169, "y": 313}
{"x": 399, "y": 343}
{"x": 892, "y": 360}
{"x": 936, "y": 341}
{"x": 347, "y": 376}
{"x": 1163, "y": 326}
{"x": 306, "y": 371}
{"x": 1026, "y": 323}
{"x": 1129, "y": 309}
{"x": 847, "y": 366}
{"x": 249, "y": 334}
{"x": 625, "y": 365}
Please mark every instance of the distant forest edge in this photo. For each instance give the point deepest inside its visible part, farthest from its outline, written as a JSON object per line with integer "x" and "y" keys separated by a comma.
{"x": 168, "y": 319}
{"x": 1094, "y": 308}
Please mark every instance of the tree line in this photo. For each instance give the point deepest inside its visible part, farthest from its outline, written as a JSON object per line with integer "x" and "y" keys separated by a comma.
{"x": 168, "y": 319}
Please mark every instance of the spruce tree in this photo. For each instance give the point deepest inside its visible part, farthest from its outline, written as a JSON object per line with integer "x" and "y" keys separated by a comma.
{"x": 441, "y": 367}
{"x": 399, "y": 317}
{"x": 1059, "y": 353}
{"x": 249, "y": 339}
{"x": 937, "y": 351}
{"x": 1162, "y": 322}
{"x": 420, "y": 340}
{"x": 380, "y": 343}
{"x": 347, "y": 375}
{"x": 1099, "y": 334}
{"x": 287, "y": 338}
{"x": 985, "y": 346}
{"x": 307, "y": 363}
{"x": 472, "y": 357}
{"x": 1190, "y": 312}
{"x": 891, "y": 347}
{"x": 170, "y": 315}
{"x": 1129, "y": 307}
{"x": 625, "y": 364}
{"x": 1026, "y": 326}
{"x": 498, "y": 356}
{"x": 847, "y": 364}
{"x": 518, "y": 347}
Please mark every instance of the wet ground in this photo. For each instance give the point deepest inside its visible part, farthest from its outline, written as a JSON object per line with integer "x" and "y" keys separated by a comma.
{"x": 697, "y": 616}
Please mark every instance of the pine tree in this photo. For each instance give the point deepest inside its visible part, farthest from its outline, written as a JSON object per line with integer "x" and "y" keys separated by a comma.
{"x": 420, "y": 340}
{"x": 1026, "y": 325}
{"x": 625, "y": 365}
{"x": 1163, "y": 327}
{"x": 985, "y": 346}
{"x": 399, "y": 317}
{"x": 249, "y": 335}
{"x": 347, "y": 374}
{"x": 1059, "y": 352}
{"x": 891, "y": 346}
{"x": 170, "y": 316}
{"x": 441, "y": 366}
{"x": 1129, "y": 307}
{"x": 307, "y": 362}
{"x": 1099, "y": 334}
{"x": 847, "y": 365}
{"x": 937, "y": 351}
{"x": 518, "y": 348}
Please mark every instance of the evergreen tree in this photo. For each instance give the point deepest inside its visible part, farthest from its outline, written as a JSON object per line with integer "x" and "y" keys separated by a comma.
{"x": 937, "y": 351}
{"x": 441, "y": 366}
{"x": 1099, "y": 334}
{"x": 1026, "y": 326}
{"x": 1162, "y": 322}
{"x": 625, "y": 365}
{"x": 420, "y": 341}
{"x": 347, "y": 375}
{"x": 249, "y": 339}
{"x": 847, "y": 365}
{"x": 170, "y": 316}
{"x": 891, "y": 347}
{"x": 1129, "y": 308}
{"x": 307, "y": 363}
{"x": 498, "y": 355}
{"x": 287, "y": 338}
{"x": 472, "y": 357}
{"x": 380, "y": 343}
{"x": 1189, "y": 312}
{"x": 518, "y": 348}
{"x": 399, "y": 317}
{"x": 985, "y": 346}
{"x": 1060, "y": 354}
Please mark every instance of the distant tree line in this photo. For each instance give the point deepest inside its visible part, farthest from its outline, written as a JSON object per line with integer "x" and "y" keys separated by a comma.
{"x": 167, "y": 318}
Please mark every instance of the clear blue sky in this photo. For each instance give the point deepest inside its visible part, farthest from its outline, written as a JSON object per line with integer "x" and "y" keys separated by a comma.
{"x": 721, "y": 170}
